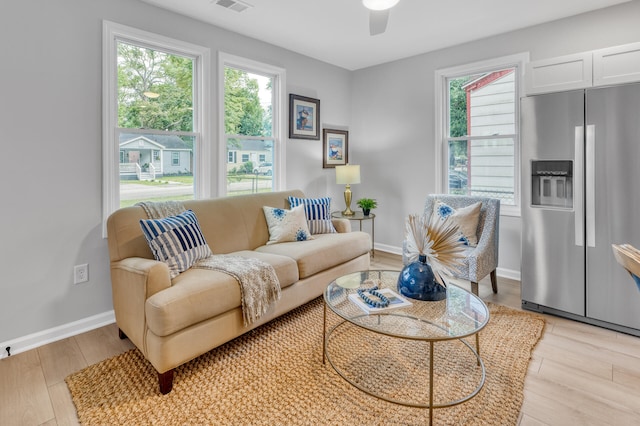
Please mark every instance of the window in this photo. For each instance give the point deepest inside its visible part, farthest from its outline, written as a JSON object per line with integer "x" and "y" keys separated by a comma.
{"x": 253, "y": 123}
{"x": 478, "y": 132}
{"x": 231, "y": 156}
{"x": 155, "y": 126}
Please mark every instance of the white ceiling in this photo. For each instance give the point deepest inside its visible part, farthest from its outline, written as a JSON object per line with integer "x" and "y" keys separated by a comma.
{"x": 337, "y": 31}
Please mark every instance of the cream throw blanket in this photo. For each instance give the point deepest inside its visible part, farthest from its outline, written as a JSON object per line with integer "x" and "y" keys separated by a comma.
{"x": 259, "y": 285}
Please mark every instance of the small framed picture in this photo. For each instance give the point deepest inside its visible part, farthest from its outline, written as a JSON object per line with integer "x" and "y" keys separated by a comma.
{"x": 304, "y": 117}
{"x": 335, "y": 144}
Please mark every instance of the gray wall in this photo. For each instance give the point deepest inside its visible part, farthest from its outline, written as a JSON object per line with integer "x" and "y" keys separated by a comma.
{"x": 392, "y": 129}
{"x": 50, "y": 116}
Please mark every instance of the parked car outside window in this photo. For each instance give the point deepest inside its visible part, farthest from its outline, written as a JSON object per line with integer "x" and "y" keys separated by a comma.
{"x": 264, "y": 169}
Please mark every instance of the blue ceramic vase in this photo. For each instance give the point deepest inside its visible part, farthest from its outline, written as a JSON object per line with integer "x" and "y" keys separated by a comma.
{"x": 417, "y": 281}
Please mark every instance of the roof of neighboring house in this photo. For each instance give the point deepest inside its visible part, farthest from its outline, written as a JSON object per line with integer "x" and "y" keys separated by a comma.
{"x": 485, "y": 79}
{"x": 166, "y": 141}
{"x": 249, "y": 145}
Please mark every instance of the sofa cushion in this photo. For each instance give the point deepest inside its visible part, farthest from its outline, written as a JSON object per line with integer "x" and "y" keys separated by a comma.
{"x": 324, "y": 252}
{"x": 176, "y": 240}
{"x": 286, "y": 225}
{"x": 318, "y": 212}
{"x": 199, "y": 294}
{"x": 465, "y": 217}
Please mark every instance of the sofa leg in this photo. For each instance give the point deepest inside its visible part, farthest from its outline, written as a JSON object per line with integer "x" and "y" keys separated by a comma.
{"x": 121, "y": 334}
{"x": 165, "y": 380}
{"x": 494, "y": 281}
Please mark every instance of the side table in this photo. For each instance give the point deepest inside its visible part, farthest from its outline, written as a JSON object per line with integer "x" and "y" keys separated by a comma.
{"x": 359, "y": 216}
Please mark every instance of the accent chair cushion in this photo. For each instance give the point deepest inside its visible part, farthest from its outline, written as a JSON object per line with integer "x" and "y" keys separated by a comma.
{"x": 286, "y": 225}
{"x": 465, "y": 217}
{"x": 318, "y": 213}
{"x": 176, "y": 240}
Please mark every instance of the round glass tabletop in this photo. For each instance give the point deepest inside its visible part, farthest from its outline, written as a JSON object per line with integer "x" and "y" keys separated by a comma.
{"x": 459, "y": 315}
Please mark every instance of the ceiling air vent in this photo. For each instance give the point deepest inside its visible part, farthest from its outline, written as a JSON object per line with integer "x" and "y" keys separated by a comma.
{"x": 236, "y": 5}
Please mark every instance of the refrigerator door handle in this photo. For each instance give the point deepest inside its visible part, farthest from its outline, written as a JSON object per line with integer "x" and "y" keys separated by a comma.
{"x": 578, "y": 176}
{"x": 590, "y": 184}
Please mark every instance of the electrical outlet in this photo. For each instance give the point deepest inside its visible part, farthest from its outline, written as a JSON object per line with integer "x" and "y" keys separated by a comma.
{"x": 81, "y": 273}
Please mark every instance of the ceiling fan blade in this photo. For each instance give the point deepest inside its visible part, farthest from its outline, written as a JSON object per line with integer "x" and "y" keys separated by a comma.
{"x": 378, "y": 21}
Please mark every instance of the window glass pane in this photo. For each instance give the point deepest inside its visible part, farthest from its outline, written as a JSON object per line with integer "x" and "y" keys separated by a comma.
{"x": 483, "y": 104}
{"x": 248, "y": 103}
{"x": 248, "y": 112}
{"x": 252, "y": 175}
{"x": 142, "y": 178}
{"x": 155, "y": 89}
{"x": 482, "y": 115}
{"x": 483, "y": 167}
{"x": 155, "y": 92}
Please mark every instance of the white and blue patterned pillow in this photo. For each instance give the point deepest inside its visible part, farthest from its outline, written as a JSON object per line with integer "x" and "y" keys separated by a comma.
{"x": 176, "y": 240}
{"x": 286, "y": 225}
{"x": 465, "y": 217}
{"x": 318, "y": 212}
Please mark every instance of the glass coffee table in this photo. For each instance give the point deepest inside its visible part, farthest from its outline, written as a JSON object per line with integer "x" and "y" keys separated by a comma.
{"x": 392, "y": 354}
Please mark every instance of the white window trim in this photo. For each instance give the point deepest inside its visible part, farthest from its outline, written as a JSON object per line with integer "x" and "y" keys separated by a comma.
{"x": 518, "y": 61}
{"x": 113, "y": 32}
{"x": 279, "y": 115}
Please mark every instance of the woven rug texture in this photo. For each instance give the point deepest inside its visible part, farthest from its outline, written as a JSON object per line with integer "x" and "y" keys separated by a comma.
{"x": 274, "y": 375}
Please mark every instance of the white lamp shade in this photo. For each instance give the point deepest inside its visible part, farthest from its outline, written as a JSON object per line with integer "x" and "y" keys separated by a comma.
{"x": 347, "y": 174}
{"x": 379, "y": 4}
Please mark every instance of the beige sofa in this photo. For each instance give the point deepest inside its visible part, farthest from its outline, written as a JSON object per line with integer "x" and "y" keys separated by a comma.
{"x": 174, "y": 321}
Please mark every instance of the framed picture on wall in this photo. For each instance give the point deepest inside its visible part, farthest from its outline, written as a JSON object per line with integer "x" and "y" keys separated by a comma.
{"x": 335, "y": 145}
{"x": 304, "y": 117}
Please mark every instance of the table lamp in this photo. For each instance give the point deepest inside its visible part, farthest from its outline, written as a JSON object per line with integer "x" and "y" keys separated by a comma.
{"x": 347, "y": 175}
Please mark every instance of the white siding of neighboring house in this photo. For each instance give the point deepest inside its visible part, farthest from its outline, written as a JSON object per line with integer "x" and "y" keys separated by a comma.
{"x": 492, "y": 111}
{"x": 184, "y": 165}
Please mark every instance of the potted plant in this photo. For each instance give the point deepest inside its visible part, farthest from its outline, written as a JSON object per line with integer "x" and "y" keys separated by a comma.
{"x": 366, "y": 204}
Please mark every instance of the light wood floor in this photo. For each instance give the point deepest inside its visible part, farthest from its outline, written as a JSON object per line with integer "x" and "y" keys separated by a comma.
{"x": 579, "y": 374}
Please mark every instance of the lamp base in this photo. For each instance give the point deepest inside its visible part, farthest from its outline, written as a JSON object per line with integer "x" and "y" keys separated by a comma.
{"x": 347, "y": 201}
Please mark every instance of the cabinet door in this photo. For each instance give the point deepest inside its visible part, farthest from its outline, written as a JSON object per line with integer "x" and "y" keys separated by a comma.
{"x": 559, "y": 74}
{"x": 616, "y": 65}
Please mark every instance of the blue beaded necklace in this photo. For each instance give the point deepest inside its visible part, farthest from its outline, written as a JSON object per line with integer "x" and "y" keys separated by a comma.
{"x": 383, "y": 301}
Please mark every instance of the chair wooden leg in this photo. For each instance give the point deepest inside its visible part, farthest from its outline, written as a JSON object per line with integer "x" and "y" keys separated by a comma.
{"x": 121, "y": 334}
{"x": 494, "y": 281}
{"x": 165, "y": 380}
{"x": 474, "y": 287}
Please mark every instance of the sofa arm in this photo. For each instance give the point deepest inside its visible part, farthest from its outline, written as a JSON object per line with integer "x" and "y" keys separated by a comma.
{"x": 341, "y": 225}
{"x": 133, "y": 281}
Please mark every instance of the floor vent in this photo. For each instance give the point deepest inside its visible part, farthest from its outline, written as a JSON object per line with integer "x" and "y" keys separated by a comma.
{"x": 236, "y": 5}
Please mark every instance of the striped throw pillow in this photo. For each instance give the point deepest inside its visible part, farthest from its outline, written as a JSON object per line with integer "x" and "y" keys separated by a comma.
{"x": 318, "y": 213}
{"x": 176, "y": 240}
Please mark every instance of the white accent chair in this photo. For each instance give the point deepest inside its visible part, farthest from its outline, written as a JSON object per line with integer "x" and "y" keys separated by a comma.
{"x": 481, "y": 260}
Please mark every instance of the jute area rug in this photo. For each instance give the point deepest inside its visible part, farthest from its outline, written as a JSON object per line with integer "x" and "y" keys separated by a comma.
{"x": 274, "y": 375}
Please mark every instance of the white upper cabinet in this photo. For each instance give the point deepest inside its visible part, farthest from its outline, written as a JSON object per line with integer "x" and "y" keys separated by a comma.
{"x": 616, "y": 65}
{"x": 559, "y": 74}
{"x": 613, "y": 65}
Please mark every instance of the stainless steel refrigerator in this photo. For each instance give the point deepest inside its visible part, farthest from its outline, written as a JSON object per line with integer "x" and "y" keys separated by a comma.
{"x": 580, "y": 194}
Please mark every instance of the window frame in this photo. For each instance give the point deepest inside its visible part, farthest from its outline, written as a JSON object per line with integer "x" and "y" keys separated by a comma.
{"x": 279, "y": 115}
{"x": 516, "y": 61}
{"x": 112, "y": 33}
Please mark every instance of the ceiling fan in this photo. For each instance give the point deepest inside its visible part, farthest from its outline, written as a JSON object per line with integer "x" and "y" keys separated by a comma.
{"x": 378, "y": 14}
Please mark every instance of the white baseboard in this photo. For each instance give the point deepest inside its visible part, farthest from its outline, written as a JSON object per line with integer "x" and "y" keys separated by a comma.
{"x": 388, "y": 249}
{"x": 508, "y": 273}
{"x": 502, "y": 272}
{"x": 41, "y": 338}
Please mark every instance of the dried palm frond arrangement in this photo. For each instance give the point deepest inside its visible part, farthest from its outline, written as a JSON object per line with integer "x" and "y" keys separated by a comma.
{"x": 438, "y": 240}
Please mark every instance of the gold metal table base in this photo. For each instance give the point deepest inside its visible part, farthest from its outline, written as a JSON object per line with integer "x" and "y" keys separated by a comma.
{"x": 430, "y": 405}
